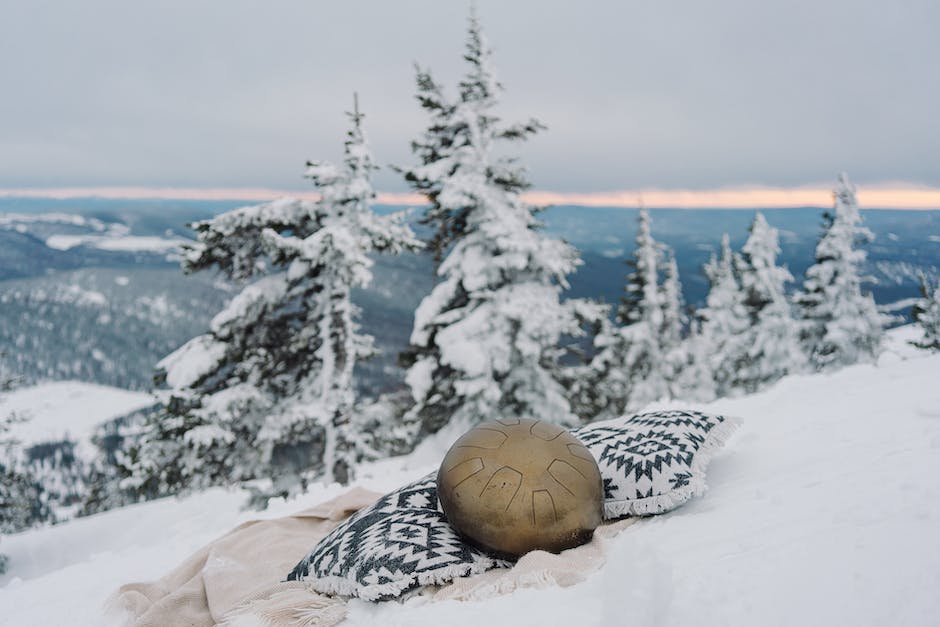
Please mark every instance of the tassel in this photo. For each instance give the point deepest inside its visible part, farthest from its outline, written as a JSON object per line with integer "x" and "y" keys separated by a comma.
{"x": 293, "y": 605}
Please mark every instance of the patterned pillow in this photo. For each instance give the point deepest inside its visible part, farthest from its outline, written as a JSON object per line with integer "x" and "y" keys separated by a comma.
{"x": 401, "y": 542}
{"x": 652, "y": 463}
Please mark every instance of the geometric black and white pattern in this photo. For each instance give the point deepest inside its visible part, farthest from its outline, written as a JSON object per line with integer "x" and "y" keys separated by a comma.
{"x": 400, "y": 542}
{"x": 653, "y": 462}
{"x": 650, "y": 463}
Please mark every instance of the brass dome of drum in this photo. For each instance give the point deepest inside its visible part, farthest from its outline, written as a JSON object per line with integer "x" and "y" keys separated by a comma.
{"x": 517, "y": 485}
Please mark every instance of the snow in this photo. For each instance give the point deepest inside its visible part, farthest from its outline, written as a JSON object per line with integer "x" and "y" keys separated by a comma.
{"x": 113, "y": 236}
{"x": 125, "y": 243}
{"x": 67, "y": 409}
{"x": 65, "y": 242}
{"x": 62, "y": 575}
{"x": 419, "y": 378}
{"x": 250, "y": 303}
{"x": 192, "y": 361}
{"x": 139, "y": 242}
{"x": 822, "y": 510}
{"x": 19, "y": 219}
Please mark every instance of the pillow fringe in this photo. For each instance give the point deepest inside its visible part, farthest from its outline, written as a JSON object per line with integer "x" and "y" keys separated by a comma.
{"x": 714, "y": 441}
{"x": 341, "y": 586}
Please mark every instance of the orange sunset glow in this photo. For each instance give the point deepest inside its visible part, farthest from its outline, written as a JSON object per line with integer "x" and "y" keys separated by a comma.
{"x": 879, "y": 196}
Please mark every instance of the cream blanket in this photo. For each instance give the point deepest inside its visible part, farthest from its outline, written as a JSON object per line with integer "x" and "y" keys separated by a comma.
{"x": 237, "y": 578}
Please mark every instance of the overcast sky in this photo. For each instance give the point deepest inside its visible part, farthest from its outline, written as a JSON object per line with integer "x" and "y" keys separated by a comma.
{"x": 669, "y": 94}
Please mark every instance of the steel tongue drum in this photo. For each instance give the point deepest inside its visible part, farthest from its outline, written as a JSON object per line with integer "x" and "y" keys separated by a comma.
{"x": 517, "y": 485}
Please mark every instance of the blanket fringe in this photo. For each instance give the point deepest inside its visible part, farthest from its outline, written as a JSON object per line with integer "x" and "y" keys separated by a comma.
{"x": 297, "y": 606}
{"x": 502, "y": 586}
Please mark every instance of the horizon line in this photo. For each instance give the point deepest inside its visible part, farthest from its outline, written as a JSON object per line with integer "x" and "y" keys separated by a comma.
{"x": 903, "y": 196}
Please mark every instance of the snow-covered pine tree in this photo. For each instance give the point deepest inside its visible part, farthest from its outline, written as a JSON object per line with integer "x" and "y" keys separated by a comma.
{"x": 724, "y": 320}
{"x": 643, "y": 312}
{"x": 21, "y": 494}
{"x": 693, "y": 380}
{"x": 672, "y": 303}
{"x": 485, "y": 340}
{"x": 772, "y": 341}
{"x": 642, "y": 300}
{"x": 599, "y": 389}
{"x": 268, "y": 394}
{"x": 927, "y": 315}
{"x": 673, "y": 349}
{"x": 841, "y": 324}
{"x": 630, "y": 367}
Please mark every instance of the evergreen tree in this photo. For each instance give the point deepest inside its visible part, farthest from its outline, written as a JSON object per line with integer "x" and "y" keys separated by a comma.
{"x": 672, "y": 346}
{"x": 600, "y": 389}
{"x": 642, "y": 301}
{"x": 927, "y": 315}
{"x": 643, "y": 312}
{"x": 724, "y": 320}
{"x": 267, "y": 394}
{"x": 632, "y": 365}
{"x": 772, "y": 341}
{"x": 21, "y": 494}
{"x": 485, "y": 340}
{"x": 672, "y": 304}
{"x": 842, "y": 326}
{"x": 693, "y": 379}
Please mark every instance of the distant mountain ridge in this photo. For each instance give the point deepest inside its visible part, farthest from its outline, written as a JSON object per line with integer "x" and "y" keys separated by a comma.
{"x": 108, "y": 316}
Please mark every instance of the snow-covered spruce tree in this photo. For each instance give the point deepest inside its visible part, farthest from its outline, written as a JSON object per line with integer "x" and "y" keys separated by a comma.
{"x": 630, "y": 366}
{"x": 724, "y": 320}
{"x": 674, "y": 318}
{"x": 582, "y": 364}
{"x": 485, "y": 340}
{"x": 841, "y": 324}
{"x": 772, "y": 342}
{"x": 268, "y": 394}
{"x": 642, "y": 300}
{"x": 104, "y": 486}
{"x": 642, "y": 316}
{"x": 693, "y": 379}
{"x": 21, "y": 494}
{"x": 927, "y": 315}
{"x": 672, "y": 347}
{"x": 688, "y": 369}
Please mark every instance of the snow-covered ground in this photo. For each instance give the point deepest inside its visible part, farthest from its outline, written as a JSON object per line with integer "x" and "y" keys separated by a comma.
{"x": 89, "y": 232}
{"x": 115, "y": 242}
{"x": 70, "y": 410}
{"x": 822, "y": 510}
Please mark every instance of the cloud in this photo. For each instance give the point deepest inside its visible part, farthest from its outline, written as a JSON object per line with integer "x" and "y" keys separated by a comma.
{"x": 238, "y": 93}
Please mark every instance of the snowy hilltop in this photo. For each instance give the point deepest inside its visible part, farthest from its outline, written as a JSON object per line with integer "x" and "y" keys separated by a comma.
{"x": 825, "y": 492}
